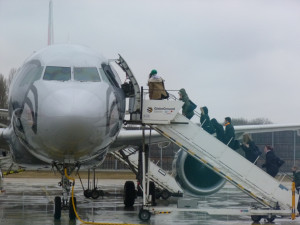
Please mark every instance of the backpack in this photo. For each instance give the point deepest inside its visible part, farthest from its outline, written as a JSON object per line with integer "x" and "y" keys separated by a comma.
{"x": 279, "y": 162}
{"x": 256, "y": 150}
{"x": 236, "y": 144}
{"x": 165, "y": 97}
{"x": 192, "y": 106}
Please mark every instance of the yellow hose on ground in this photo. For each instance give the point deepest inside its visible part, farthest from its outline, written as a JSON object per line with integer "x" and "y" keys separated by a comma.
{"x": 74, "y": 208}
{"x": 13, "y": 171}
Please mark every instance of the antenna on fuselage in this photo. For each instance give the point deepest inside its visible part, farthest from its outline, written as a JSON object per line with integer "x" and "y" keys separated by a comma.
{"x": 50, "y": 24}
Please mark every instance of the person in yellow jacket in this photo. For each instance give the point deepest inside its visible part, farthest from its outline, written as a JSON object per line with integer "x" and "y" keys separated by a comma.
{"x": 156, "y": 87}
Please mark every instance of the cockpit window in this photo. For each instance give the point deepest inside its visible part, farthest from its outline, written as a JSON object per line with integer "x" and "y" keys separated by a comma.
{"x": 57, "y": 73}
{"x": 86, "y": 74}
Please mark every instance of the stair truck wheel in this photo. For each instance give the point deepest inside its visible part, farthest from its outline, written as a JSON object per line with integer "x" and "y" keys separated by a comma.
{"x": 144, "y": 215}
{"x": 271, "y": 219}
{"x": 72, "y": 214}
{"x": 129, "y": 193}
{"x": 57, "y": 208}
{"x": 165, "y": 194}
{"x": 256, "y": 218}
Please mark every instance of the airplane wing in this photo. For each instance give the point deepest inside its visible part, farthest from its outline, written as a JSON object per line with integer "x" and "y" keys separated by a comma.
{"x": 240, "y": 130}
{"x": 134, "y": 137}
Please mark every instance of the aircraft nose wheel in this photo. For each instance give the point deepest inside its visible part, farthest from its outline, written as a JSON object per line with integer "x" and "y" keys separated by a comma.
{"x": 144, "y": 215}
{"x": 72, "y": 214}
{"x": 57, "y": 208}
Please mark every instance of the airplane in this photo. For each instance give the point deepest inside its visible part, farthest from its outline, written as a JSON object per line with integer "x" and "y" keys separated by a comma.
{"x": 67, "y": 109}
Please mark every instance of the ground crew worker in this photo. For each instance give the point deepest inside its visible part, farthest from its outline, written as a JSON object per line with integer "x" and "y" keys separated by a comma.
{"x": 156, "y": 87}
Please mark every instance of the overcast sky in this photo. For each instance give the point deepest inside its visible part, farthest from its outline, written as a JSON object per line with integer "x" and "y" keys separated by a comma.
{"x": 238, "y": 58}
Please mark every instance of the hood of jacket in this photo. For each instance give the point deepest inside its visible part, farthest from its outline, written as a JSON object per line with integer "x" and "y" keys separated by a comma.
{"x": 205, "y": 110}
{"x": 183, "y": 92}
{"x": 155, "y": 78}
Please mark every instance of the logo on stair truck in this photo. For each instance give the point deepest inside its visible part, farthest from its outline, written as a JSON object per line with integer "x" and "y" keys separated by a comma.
{"x": 149, "y": 109}
{"x": 164, "y": 110}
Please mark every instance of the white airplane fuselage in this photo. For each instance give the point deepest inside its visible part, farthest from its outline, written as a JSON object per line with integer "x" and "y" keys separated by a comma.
{"x": 66, "y": 106}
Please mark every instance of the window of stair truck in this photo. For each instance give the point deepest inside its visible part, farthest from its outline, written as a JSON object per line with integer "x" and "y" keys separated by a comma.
{"x": 86, "y": 74}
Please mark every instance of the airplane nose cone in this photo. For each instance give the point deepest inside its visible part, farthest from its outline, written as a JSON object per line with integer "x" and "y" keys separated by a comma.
{"x": 72, "y": 102}
{"x": 72, "y": 122}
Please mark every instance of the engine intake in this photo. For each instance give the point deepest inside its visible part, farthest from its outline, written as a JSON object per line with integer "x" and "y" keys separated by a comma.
{"x": 194, "y": 177}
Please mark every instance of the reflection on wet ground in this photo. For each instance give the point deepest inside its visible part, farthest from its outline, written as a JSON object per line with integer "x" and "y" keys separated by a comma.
{"x": 30, "y": 201}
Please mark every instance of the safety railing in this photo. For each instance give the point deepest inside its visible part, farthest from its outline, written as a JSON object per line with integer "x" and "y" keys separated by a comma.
{"x": 171, "y": 97}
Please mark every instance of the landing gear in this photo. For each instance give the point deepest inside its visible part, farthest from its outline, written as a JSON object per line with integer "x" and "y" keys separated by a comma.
{"x": 144, "y": 215}
{"x": 87, "y": 193}
{"x": 57, "y": 208}
{"x": 72, "y": 214}
{"x": 129, "y": 194}
{"x": 92, "y": 193}
{"x": 95, "y": 194}
{"x": 64, "y": 202}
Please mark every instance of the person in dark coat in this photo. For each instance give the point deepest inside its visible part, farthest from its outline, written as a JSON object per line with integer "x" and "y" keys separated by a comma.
{"x": 250, "y": 149}
{"x": 205, "y": 120}
{"x": 229, "y": 134}
{"x": 218, "y": 129}
{"x": 187, "y": 104}
{"x": 271, "y": 161}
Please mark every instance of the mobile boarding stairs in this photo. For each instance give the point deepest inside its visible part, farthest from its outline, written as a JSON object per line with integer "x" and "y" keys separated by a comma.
{"x": 163, "y": 181}
{"x": 164, "y": 117}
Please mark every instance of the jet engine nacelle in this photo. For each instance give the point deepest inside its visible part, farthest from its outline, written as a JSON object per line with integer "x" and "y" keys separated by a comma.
{"x": 195, "y": 178}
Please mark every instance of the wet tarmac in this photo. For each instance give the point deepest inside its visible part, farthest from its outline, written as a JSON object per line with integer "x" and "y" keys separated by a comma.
{"x": 30, "y": 201}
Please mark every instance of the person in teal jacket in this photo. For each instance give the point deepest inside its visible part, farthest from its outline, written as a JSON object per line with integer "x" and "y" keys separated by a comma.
{"x": 186, "y": 108}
